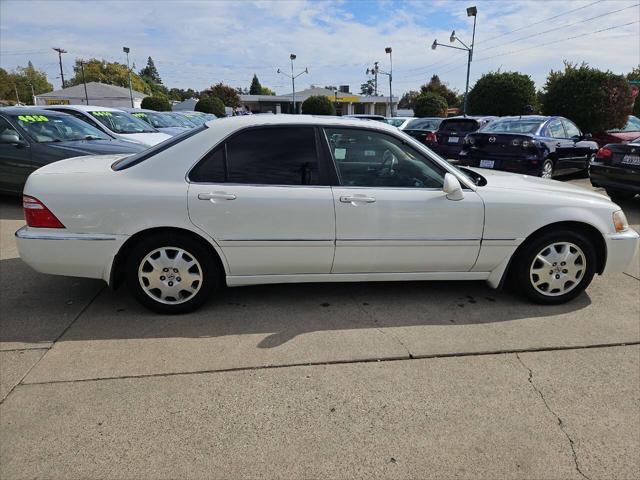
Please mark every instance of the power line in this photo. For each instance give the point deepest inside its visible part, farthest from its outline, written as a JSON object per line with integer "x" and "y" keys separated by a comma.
{"x": 543, "y": 20}
{"x": 563, "y": 26}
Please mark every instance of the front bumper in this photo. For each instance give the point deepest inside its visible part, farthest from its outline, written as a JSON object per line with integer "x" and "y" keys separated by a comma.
{"x": 621, "y": 250}
{"x": 59, "y": 252}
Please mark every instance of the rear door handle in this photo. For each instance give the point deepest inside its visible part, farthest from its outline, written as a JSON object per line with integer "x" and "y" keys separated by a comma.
{"x": 357, "y": 199}
{"x": 216, "y": 196}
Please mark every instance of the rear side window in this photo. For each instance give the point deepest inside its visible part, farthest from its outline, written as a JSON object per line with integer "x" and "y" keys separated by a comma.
{"x": 556, "y": 129}
{"x": 263, "y": 156}
{"x": 571, "y": 129}
{"x": 459, "y": 126}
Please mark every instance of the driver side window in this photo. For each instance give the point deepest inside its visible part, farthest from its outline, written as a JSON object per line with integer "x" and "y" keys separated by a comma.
{"x": 366, "y": 158}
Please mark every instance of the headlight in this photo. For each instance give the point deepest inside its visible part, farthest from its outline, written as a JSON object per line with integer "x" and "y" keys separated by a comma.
{"x": 527, "y": 143}
{"x": 515, "y": 142}
{"x": 620, "y": 221}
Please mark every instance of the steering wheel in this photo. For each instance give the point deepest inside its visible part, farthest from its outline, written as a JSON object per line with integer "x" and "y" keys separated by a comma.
{"x": 389, "y": 161}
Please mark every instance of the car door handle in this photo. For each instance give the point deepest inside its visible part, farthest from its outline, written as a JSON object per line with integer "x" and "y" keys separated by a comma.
{"x": 357, "y": 199}
{"x": 216, "y": 196}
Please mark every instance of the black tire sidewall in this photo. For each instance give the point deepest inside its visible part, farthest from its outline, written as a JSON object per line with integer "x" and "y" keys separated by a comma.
{"x": 210, "y": 271}
{"x": 521, "y": 281}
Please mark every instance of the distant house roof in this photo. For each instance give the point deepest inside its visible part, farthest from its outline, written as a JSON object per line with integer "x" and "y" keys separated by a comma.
{"x": 94, "y": 90}
{"x": 189, "y": 104}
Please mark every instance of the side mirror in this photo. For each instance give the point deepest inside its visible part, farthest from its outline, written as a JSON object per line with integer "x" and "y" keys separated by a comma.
{"x": 452, "y": 187}
{"x": 588, "y": 136}
{"x": 11, "y": 139}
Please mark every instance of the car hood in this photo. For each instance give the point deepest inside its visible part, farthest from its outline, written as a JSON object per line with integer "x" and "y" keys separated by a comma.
{"x": 148, "y": 139}
{"x": 93, "y": 147}
{"x": 512, "y": 181}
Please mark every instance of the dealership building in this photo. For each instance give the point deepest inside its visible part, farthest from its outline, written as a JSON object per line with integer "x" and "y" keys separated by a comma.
{"x": 100, "y": 94}
{"x": 346, "y": 103}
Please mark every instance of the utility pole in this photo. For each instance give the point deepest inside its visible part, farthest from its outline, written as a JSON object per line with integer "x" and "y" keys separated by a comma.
{"x": 127, "y": 50}
{"x": 16, "y": 90}
{"x": 293, "y": 77}
{"x": 388, "y": 50}
{"x": 33, "y": 93}
{"x": 60, "y": 52}
{"x": 86, "y": 95}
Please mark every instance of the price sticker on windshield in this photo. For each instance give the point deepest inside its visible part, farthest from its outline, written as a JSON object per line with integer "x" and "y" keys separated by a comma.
{"x": 139, "y": 114}
{"x": 32, "y": 118}
{"x": 101, "y": 114}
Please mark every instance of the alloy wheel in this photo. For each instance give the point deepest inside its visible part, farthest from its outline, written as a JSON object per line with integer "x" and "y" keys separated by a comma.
{"x": 557, "y": 269}
{"x": 170, "y": 275}
{"x": 547, "y": 169}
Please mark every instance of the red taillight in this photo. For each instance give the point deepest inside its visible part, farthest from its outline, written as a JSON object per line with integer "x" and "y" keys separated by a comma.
{"x": 38, "y": 215}
{"x": 431, "y": 137}
{"x": 604, "y": 152}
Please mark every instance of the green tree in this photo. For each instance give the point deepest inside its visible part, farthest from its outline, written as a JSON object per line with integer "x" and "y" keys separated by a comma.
{"x": 368, "y": 88}
{"x": 430, "y": 105}
{"x": 595, "y": 100}
{"x": 255, "y": 88}
{"x": 318, "y": 105}
{"x": 634, "y": 75}
{"x": 225, "y": 93}
{"x": 22, "y": 79}
{"x": 159, "y": 104}
{"x": 210, "y": 105}
{"x": 111, "y": 73}
{"x": 6, "y": 88}
{"x": 181, "y": 94}
{"x": 501, "y": 93}
{"x": 408, "y": 98}
{"x": 150, "y": 72}
{"x": 435, "y": 85}
{"x": 266, "y": 91}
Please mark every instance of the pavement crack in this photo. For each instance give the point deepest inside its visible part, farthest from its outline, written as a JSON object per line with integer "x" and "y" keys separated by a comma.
{"x": 632, "y": 276}
{"x": 558, "y": 419}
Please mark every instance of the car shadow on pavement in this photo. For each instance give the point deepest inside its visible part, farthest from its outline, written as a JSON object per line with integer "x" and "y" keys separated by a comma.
{"x": 43, "y": 307}
{"x": 11, "y": 208}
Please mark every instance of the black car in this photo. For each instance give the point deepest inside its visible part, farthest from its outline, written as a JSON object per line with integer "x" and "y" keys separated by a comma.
{"x": 616, "y": 167}
{"x": 423, "y": 129}
{"x": 31, "y": 138}
{"x": 529, "y": 144}
{"x": 448, "y": 139}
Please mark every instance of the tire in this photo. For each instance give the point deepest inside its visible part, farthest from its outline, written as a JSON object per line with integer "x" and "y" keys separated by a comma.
{"x": 175, "y": 256}
{"x": 619, "y": 194}
{"x": 546, "y": 170}
{"x": 530, "y": 273}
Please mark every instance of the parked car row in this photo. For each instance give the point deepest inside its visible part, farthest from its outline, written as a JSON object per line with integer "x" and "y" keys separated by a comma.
{"x": 31, "y": 137}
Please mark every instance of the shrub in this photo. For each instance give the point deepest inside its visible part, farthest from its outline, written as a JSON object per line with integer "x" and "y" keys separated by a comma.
{"x": 228, "y": 95}
{"x": 159, "y": 104}
{"x": 318, "y": 105}
{"x": 595, "y": 100}
{"x": 210, "y": 105}
{"x": 501, "y": 93}
{"x": 430, "y": 105}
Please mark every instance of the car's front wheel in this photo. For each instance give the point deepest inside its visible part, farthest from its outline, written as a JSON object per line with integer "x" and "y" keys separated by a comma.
{"x": 171, "y": 273}
{"x": 555, "y": 267}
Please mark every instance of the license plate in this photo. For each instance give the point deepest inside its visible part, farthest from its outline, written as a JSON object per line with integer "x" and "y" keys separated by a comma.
{"x": 486, "y": 163}
{"x": 631, "y": 159}
{"x": 454, "y": 139}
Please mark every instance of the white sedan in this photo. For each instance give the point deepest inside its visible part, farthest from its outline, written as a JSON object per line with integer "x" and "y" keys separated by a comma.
{"x": 284, "y": 199}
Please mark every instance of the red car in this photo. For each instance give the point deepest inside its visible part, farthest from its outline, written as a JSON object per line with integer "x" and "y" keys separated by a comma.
{"x": 630, "y": 131}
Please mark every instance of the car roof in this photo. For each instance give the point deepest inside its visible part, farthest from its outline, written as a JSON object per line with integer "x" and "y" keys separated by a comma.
{"x": 538, "y": 118}
{"x": 86, "y": 108}
{"x": 29, "y": 111}
{"x": 470, "y": 117}
{"x": 243, "y": 121}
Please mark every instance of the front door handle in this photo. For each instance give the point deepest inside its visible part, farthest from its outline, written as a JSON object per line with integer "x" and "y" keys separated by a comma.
{"x": 216, "y": 196}
{"x": 357, "y": 199}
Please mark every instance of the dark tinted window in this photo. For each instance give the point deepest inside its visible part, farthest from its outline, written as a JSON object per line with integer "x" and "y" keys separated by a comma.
{"x": 273, "y": 156}
{"x": 459, "y": 126}
{"x": 423, "y": 124}
{"x": 211, "y": 168}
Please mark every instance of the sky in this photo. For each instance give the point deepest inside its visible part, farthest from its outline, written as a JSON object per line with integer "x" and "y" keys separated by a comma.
{"x": 199, "y": 43}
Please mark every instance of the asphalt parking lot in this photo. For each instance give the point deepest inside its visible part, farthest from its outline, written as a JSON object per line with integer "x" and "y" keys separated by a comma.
{"x": 380, "y": 380}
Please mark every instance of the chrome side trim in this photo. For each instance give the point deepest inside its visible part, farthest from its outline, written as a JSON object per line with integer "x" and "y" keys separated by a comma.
{"x": 25, "y": 234}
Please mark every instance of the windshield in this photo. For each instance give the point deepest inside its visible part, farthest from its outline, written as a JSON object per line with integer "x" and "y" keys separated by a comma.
{"x": 423, "y": 124}
{"x": 158, "y": 120}
{"x": 633, "y": 125}
{"x": 58, "y": 128}
{"x": 396, "y": 122}
{"x": 121, "y": 122}
{"x": 195, "y": 118}
{"x": 182, "y": 120}
{"x": 512, "y": 126}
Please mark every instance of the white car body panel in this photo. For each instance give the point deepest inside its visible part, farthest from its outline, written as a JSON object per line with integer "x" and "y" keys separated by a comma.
{"x": 272, "y": 234}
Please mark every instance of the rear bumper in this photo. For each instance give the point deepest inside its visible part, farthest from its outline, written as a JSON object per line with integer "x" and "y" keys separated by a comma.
{"x": 617, "y": 178}
{"x": 446, "y": 151}
{"x": 525, "y": 166}
{"x": 59, "y": 252}
{"x": 621, "y": 250}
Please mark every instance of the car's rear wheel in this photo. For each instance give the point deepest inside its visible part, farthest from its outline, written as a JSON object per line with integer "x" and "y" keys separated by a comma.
{"x": 546, "y": 171}
{"x": 620, "y": 194}
{"x": 171, "y": 273}
{"x": 555, "y": 267}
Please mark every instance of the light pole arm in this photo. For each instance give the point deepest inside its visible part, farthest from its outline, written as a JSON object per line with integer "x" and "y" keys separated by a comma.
{"x": 451, "y": 46}
{"x": 465, "y": 45}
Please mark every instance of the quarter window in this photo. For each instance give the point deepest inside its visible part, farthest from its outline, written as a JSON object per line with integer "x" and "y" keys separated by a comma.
{"x": 211, "y": 168}
{"x": 366, "y": 158}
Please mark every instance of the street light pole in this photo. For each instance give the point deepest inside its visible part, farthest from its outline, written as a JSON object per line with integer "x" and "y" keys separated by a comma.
{"x": 293, "y": 77}
{"x": 127, "y": 50}
{"x": 471, "y": 12}
{"x": 86, "y": 95}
